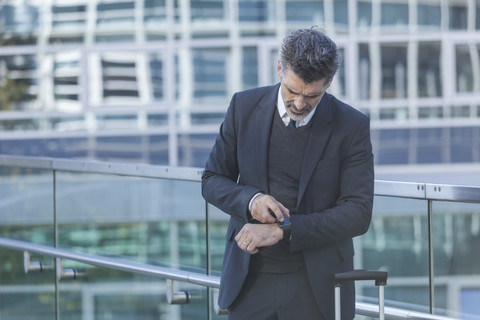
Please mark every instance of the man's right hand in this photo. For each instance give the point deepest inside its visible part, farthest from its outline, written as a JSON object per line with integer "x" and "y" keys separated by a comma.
{"x": 264, "y": 205}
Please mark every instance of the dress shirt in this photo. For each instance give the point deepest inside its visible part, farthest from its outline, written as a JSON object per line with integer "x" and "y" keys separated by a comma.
{"x": 282, "y": 111}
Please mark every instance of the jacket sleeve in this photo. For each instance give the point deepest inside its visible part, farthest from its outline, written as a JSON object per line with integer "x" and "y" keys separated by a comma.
{"x": 220, "y": 185}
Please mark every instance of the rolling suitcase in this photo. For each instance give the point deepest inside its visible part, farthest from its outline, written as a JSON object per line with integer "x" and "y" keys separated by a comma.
{"x": 380, "y": 278}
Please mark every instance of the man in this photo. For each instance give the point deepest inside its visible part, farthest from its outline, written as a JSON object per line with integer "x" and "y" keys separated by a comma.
{"x": 293, "y": 167}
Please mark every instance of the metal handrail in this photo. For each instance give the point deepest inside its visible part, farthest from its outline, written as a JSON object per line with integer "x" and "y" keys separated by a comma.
{"x": 364, "y": 309}
{"x": 426, "y": 191}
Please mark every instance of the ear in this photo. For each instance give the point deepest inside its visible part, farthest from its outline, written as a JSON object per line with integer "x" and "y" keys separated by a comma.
{"x": 329, "y": 83}
{"x": 279, "y": 69}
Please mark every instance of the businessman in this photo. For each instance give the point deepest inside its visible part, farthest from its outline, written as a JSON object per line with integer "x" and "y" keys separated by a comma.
{"x": 293, "y": 167}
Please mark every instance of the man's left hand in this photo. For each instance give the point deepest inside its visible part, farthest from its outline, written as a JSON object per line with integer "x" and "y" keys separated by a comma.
{"x": 254, "y": 236}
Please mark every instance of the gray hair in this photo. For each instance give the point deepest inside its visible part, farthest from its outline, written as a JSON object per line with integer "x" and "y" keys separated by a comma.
{"x": 310, "y": 54}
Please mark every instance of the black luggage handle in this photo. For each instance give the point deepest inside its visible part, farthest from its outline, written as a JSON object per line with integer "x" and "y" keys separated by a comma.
{"x": 380, "y": 277}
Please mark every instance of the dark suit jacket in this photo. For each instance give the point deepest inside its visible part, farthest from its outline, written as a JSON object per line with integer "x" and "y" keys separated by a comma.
{"x": 335, "y": 194}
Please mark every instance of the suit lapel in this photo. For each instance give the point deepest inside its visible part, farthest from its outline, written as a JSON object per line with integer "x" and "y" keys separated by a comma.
{"x": 317, "y": 140}
{"x": 263, "y": 125}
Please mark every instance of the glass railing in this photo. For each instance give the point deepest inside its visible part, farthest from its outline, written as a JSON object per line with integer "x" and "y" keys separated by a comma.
{"x": 424, "y": 235}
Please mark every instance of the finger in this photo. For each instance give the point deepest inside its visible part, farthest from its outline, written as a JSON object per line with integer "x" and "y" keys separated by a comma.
{"x": 279, "y": 212}
{"x": 239, "y": 235}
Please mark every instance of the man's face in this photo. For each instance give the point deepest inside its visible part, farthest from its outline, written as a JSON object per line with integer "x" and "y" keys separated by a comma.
{"x": 299, "y": 97}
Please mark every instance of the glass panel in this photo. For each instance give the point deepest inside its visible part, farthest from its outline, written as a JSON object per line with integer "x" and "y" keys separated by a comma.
{"x": 255, "y": 10}
{"x": 148, "y": 220}
{"x": 394, "y": 113}
{"x": 118, "y": 16}
{"x": 54, "y": 147}
{"x": 341, "y": 15}
{"x": 456, "y": 239}
{"x": 458, "y": 15}
{"x": 393, "y": 146}
{"x": 20, "y": 23}
{"x": 429, "y": 16}
{"x": 217, "y": 228}
{"x": 110, "y": 294}
{"x": 467, "y": 56}
{"x": 461, "y": 142}
{"x": 26, "y": 296}
{"x": 364, "y": 15}
{"x": 394, "y": 17}
{"x": 430, "y": 142}
{"x": 210, "y": 73}
{"x": 204, "y": 10}
{"x": 19, "y": 85}
{"x": 27, "y": 204}
{"x": 397, "y": 242}
{"x": 68, "y": 23}
{"x": 249, "y": 68}
{"x": 26, "y": 208}
{"x": 430, "y": 112}
{"x": 429, "y": 70}
{"x": 364, "y": 71}
{"x": 305, "y": 12}
{"x": 394, "y": 71}
{"x": 193, "y": 149}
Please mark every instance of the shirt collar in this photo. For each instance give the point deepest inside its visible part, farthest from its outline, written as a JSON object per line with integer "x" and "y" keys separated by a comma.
{"x": 282, "y": 111}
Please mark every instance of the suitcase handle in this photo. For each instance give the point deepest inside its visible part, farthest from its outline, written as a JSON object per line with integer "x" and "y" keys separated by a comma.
{"x": 380, "y": 277}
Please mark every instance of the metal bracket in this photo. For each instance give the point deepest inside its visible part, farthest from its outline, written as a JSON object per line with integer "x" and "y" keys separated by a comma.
{"x": 37, "y": 266}
{"x": 33, "y": 266}
{"x": 182, "y": 297}
{"x": 68, "y": 274}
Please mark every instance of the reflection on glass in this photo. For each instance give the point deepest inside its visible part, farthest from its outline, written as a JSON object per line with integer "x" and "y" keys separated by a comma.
{"x": 394, "y": 15}
{"x": 210, "y": 67}
{"x": 364, "y": 15}
{"x": 458, "y": 15}
{"x": 26, "y": 204}
{"x": 111, "y": 294}
{"x": 394, "y": 146}
{"x": 194, "y": 149}
{"x": 429, "y": 70}
{"x": 256, "y": 11}
{"x": 456, "y": 238}
{"x": 341, "y": 15}
{"x": 217, "y": 226}
{"x": 205, "y": 10}
{"x": 364, "y": 71}
{"x": 394, "y": 71}
{"x": 397, "y": 242}
{"x": 249, "y": 68}
{"x": 467, "y": 56}
{"x": 305, "y": 12}
{"x": 430, "y": 144}
{"x": 25, "y": 296}
{"x": 148, "y": 220}
{"x": 429, "y": 15}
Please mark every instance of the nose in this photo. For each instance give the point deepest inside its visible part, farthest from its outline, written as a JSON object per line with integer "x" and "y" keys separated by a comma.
{"x": 300, "y": 102}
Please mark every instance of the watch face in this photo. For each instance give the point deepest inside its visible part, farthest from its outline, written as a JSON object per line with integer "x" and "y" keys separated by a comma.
{"x": 286, "y": 222}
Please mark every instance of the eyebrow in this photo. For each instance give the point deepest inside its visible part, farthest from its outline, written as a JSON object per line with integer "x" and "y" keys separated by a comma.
{"x": 309, "y": 96}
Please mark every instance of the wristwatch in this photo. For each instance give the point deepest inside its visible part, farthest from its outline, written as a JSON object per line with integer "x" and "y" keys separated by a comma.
{"x": 286, "y": 226}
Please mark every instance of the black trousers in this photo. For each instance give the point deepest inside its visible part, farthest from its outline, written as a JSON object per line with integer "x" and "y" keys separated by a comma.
{"x": 267, "y": 296}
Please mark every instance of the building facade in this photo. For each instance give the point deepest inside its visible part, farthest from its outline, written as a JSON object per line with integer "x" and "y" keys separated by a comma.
{"x": 150, "y": 80}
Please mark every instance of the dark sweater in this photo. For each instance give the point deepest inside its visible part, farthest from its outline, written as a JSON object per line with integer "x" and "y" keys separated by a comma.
{"x": 285, "y": 157}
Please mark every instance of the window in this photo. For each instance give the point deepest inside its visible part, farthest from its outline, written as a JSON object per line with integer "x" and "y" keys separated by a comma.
{"x": 394, "y": 71}
{"x": 429, "y": 72}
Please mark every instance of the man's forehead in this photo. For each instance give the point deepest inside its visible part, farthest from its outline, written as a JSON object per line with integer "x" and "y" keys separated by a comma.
{"x": 298, "y": 85}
